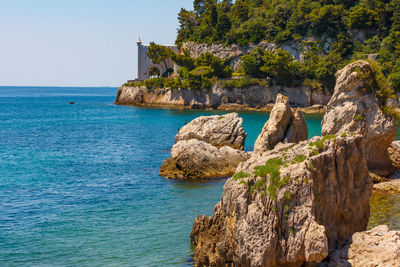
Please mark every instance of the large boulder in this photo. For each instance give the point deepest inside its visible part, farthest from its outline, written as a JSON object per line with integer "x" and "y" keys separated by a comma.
{"x": 219, "y": 131}
{"x": 377, "y": 247}
{"x": 354, "y": 108}
{"x": 289, "y": 206}
{"x": 194, "y": 159}
{"x": 282, "y": 126}
{"x": 394, "y": 154}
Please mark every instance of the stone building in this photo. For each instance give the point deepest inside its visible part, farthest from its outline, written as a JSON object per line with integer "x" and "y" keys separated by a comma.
{"x": 144, "y": 63}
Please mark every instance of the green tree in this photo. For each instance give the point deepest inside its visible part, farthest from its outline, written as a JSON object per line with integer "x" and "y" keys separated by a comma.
{"x": 215, "y": 63}
{"x": 278, "y": 65}
{"x": 252, "y": 62}
{"x": 184, "y": 60}
{"x": 158, "y": 53}
{"x": 214, "y": 15}
{"x": 363, "y": 18}
{"x": 223, "y": 26}
{"x": 327, "y": 19}
{"x": 154, "y": 71}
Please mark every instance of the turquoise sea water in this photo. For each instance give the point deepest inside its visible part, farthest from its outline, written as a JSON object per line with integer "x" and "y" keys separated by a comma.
{"x": 79, "y": 184}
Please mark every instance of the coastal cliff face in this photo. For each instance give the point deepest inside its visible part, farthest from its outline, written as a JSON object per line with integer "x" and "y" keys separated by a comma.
{"x": 354, "y": 108}
{"x": 288, "y": 206}
{"x": 255, "y": 97}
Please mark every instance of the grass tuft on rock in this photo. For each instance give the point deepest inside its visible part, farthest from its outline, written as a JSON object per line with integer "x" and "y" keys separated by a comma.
{"x": 299, "y": 159}
{"x": 240, "y": 175}
{"x": 320, "y": 145}
{"x": 272, "y": 168}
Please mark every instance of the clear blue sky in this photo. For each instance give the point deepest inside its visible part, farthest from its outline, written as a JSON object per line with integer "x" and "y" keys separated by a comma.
{"x": 80, "y": 42}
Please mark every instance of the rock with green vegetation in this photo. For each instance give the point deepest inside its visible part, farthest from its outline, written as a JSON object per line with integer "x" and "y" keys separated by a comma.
{"x": 194, "y": 159}
{"x": 377, "y": 247}
{"x": 217, "y": 130}
{"x": 233, "y": 52}
{"x": 289, "y": 206}
{"x": 358, "y": 106}
{"x": 282, "y": 126}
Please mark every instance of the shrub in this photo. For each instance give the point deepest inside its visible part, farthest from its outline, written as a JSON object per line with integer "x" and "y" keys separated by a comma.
{"x": 244, "y": 82}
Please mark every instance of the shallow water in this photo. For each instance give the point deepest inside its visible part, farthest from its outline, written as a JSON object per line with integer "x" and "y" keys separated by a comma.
{"x": 385, "y": 209}
{"x": 79, "y": 183}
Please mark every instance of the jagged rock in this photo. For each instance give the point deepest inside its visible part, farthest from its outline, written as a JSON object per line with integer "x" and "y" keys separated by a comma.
{"x": 282, "y": 126}
{"x": 219, "y": 131}
{"x": 297, "y": 130}
{"x": 391, "y": 186}
{"x": 355, "y": 108}
{"x": 377, "y": 247}
{"x": 316, "y": 196}
{"x": 377, "y": 179}
{"x": 194, "y": 159}
{"x": 394, "y": 153}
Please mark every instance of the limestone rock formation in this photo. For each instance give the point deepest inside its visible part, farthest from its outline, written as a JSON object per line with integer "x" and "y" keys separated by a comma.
{"x": 288, "y": 206}
{"x": 394, "y": 154}
{"x": 391, "y": 186}
{"x": 232, "y": 52}
{"x": 194, "y": 159}
{"x": 219, "y": 131}
{"x": 253, "y": 97}
{"x": 355, "y": 108}
{"x": 297, "y": 130}
{"x": 282, "y": 126}
{"x": 377, "y": 247}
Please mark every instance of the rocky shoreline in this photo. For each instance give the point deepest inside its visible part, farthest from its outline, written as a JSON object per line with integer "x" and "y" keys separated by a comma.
{"x": 302, "y": 203}
{"x": 254, "y": 98}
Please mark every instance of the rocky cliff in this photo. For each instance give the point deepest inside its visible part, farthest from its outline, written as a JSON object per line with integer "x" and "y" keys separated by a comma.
{"x": 255, "y": 97}
{"x": 288, "y": 206}
{"x": 354, "y": 107}
{"x": 232, "y": 52}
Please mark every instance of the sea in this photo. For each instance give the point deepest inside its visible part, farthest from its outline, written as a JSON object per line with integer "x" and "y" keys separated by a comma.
{"x": 79, "y": 183}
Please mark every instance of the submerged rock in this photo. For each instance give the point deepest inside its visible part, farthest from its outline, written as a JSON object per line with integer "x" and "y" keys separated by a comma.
{"x": 354, "y": 108}
{"x": 194, "y": 159}
{"x": 219, "y": 131}
{"x": 282, "y": 126}
{"x": 377, "y": 247}
{"x": 288, "y": 206}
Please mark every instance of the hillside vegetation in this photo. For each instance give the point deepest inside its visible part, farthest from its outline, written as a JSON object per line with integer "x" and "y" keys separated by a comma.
{"x": 330, "y": 33}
